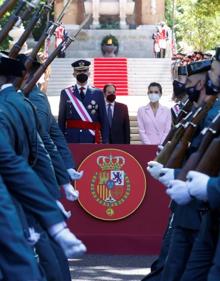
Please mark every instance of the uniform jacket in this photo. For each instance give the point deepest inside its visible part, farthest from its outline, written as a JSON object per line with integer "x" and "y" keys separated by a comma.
{"x": 120, "y": 129}
{"x": 153, "y": 129}
{"x": 214, "y": 192}
{"x": 25, "y": 138}
{"x": 22, "y": 182}
{"x": 15, "y": 248}
{"x": 188, "y": 216}
{"x": 46, "y": 121}
{"x": 95, "y": 105}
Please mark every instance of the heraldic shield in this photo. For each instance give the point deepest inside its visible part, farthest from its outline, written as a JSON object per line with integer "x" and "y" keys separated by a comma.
{"x": 113, "y": 185}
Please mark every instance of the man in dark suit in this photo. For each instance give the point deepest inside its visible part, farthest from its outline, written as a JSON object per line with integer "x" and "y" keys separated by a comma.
{"x": 118, "y": 118}
{"x": 82, "y": 117}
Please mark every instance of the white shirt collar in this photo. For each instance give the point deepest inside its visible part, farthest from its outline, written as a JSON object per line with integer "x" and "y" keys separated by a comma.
{"x": 85, "y": 87}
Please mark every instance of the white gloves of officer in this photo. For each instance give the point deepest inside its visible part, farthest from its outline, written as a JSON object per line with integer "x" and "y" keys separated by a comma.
{"x": 71, "y": 245}
{"x": 197, "y": 184}
{"x": 71, "y": 193}
{"x": 33, "y": 236}
{"x": 154, "y": 169}
{"x": 166, "y": 175}
{"x": 74, "y": 175}
{"x": 66, "y": 213}
{"x": 157, "y": 171}
{"x": 179, "y": 192}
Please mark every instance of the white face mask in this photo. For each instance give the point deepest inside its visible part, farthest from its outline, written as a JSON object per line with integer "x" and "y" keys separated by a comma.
{"x": 153, "y": 97}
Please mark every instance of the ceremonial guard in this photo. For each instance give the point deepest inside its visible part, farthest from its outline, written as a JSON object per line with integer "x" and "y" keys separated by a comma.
{"x": 13, "y": 244}
{"x": 25, "y": 184}
{"x": 82, "y": 115}
{"x": 185, "y": 253}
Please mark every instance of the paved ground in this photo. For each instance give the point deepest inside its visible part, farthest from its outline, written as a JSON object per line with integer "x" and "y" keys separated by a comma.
{"x": 110, "y": 268}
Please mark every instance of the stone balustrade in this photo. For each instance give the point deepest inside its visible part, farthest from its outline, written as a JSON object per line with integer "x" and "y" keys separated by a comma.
{"x": 121, "y": 8}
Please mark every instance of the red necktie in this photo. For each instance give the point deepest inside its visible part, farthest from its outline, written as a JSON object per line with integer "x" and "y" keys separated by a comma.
{"x": 82, "y": 95}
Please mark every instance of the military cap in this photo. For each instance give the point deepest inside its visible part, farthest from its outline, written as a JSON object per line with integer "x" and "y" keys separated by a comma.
{"x": 81, "y": 64}
{"x": 23, "y": 57}
{"x": 198, "y": 67}
{"x": 182, "y": 70}
{"x": 10, "y": 66}
{"x": 217, "y": 54}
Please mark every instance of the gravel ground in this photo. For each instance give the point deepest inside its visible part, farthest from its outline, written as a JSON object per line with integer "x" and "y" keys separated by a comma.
{"x": 110, "y": 268}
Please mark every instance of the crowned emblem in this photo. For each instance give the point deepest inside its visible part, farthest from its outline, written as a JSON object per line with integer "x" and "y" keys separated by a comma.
{"x": 81, "y": 63}
{"x": 110, "y": 186}
{"x": 113, "y": 186}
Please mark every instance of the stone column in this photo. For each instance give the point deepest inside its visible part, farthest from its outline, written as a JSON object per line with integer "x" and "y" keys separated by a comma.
{"x": 122, "y": 13}
{"x": 95, "y": 13}
{"x": 153, "y": 7}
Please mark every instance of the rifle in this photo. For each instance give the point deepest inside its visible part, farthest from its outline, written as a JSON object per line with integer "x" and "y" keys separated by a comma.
{"x": 61, "y": 47}
{"x": 179, "y": 153}
{"x": 181, "y": 118}
{"x": 48, "y": 31}
{"x": 186, "y": 108}
{"x": 210, "y": 164}
{"x": 6, "y": 6}
{"x": 42, "y": 10}
{"x": 167, "y": 150}
{"x": 209, "y": 133}
{"x": 11, "y": 21}
{"x": 165, "y": 154}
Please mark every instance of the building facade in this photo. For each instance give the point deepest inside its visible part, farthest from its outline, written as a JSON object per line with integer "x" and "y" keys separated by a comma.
{"x": 139, "y": 12}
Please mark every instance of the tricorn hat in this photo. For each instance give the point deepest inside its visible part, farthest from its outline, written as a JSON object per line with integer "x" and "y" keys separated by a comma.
{"x": 23, "y": 57}
{"x": 217, "y": 54}
{"x": 199, "y": 67}
{"x": 182, "y": 70}
{"x": 81, "y": 64}
{"x": 10, "y": 66}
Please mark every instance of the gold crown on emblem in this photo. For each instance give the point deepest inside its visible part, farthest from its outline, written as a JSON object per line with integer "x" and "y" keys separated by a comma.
{"x": 110, "y": 162}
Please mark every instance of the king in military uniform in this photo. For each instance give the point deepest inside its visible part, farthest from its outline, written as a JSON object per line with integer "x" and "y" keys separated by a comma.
{"x": 82, "y": 115}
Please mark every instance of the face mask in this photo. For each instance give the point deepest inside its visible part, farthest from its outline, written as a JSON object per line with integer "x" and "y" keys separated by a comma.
{"x": 211, "y": 89}
{"x": 153, "y": 97}
{"x": 111, "y": 98}
{"x": 193, "y": 93}
{"x": 178, "y": 88}
{"x": 82, "y": 77}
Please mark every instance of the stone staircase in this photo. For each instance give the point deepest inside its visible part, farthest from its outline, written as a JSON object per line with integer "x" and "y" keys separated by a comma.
{"x": 141, "y": 72}
{"x": 134, "y": 132}
{"x": 133, "y": 43}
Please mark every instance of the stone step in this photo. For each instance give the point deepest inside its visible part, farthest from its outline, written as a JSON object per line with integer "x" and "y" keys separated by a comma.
{"x": 135, "y": 138}
{"x": 141, "y": 72}
{"x": 134, "y": 130}
{"x": 133, "y": 123}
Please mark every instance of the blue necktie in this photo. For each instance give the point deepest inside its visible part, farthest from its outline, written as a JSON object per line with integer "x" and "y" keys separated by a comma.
{"x": 109, "y": 114}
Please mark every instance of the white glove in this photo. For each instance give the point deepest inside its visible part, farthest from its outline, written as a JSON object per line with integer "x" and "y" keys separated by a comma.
{"x": 179, "y": 192}
{"x": 74, "y": 175}
{"x": 154, "y": 169}
{"x": 66, "y": 213}
{"x": 166, "y": 175}
{"x": 33, "y": 236}
{"x": 70, "y": 192}
{"x": 197, "y": 184}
